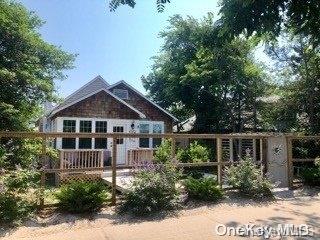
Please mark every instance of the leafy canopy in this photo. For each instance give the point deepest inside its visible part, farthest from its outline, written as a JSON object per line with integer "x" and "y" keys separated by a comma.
{"x": 215, "y": 79}
{"x": 270, "y": 17}
{"x": 28, "y": 66}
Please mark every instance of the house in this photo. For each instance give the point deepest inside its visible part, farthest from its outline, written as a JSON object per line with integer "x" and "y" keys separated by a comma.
{"x": 99, "y": 107}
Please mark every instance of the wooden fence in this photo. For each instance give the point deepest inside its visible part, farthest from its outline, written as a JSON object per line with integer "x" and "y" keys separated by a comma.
{"x": 291, "y": 159}
{"x": 219, "y": 141}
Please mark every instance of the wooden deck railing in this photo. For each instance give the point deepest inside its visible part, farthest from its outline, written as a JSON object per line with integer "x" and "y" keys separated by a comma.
{"x": 81, "y": 159}
{"x": 139, "y": 155}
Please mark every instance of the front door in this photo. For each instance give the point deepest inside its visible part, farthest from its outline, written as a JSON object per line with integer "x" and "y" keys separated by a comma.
{"x": 121, "y": 144}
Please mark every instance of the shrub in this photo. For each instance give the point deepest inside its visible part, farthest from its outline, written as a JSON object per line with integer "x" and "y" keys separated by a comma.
{"x": 203, "y": 189}
{"x": 311, "y": 175}
{"x": 247, "y": 178}
{"x": 163, "y": 152}
{"x": 18, "y": 195}
{"x": 82, "y": 197}
{"x": 195, "y": 153}
{"x": 153, "y": 189}
{"x": 14, "y": 209}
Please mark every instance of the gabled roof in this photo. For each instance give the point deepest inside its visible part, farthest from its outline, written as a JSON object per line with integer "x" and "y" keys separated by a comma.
{"x": 54, "y": 111}
{"x": 144, "y": 97}
{"x": 96, "y": 85}
{"x": 92, "y": 86}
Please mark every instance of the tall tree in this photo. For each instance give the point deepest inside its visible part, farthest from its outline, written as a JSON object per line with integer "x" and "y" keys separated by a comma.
{"x": 298, "y": 62}
{"x": 214, "y": 79}
{"x": 28, "y": 67}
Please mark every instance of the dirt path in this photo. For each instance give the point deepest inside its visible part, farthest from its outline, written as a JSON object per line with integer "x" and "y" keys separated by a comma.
{"x": 194, "y": 223}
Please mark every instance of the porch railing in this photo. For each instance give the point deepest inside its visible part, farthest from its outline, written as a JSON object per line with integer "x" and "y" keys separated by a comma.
{"x": 81, "y": 159}
{"x": 139, "y": 155}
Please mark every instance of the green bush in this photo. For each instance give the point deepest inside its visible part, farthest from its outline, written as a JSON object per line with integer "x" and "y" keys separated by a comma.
{"x": 14, "y": 209}
{"x": 206, "y": 189}
{"x": 194, "y": 154}
{"x": 311, "y": 176}
{"x": 153, "y": 189}
{"x": 248, "y": 180}
{"x": 18, "y": 195}
{"x": 82, "y": 197}
{"x": 163, "y": 152}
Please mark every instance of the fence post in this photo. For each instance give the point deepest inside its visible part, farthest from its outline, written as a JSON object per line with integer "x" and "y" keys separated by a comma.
{"x": 43, "y": 175}
{"x": 290, "y": 162}
{"x": 219, "y": 160}
{"x": 173, "y": 149}
{"x": 114, "y": 170}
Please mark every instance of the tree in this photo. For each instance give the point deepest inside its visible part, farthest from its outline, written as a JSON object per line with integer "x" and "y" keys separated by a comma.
{"x": 271, "y": 17}
{"x": 298, "y": 62}
{"x": 28, "y": 67}
{"x": 214, "y": 79}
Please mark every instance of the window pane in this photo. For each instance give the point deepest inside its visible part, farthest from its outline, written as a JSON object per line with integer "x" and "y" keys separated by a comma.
{"x": 100, "y": 143}
{"x": 86, "y": 126}
{"x": 144, "y": 142}
{"x": 68, "y": 143}
{"x": 69, "y": 125}
{"x": 101, "y": 126}
{"x": 85, "y": 143}
{"x": 157, "y": 128}
{"x": 121, "y": 93}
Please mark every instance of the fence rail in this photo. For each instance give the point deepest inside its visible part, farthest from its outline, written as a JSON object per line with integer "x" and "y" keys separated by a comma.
{"x": 224, "y": 144}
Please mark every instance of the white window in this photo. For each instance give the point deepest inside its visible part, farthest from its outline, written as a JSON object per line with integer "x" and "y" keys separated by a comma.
{"x": 157, "y": 128}
{"x": 121, "y": 93}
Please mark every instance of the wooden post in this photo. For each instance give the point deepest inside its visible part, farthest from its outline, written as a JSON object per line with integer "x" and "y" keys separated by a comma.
{"x": 290, "y": 162}
{"x": 102, "y": 158}
{"x": 173, "y": 149}
{"x": 231, "y": 150}
{"x": 114, "y": 171}
{"x": 254, "y": 150}
{"x": 43, "y": 175}
{"x": 219, "y": 160}
{"x": 261, "y": 155}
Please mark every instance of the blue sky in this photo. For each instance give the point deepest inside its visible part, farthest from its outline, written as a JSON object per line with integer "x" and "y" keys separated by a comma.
{"x": 117, "y": 45}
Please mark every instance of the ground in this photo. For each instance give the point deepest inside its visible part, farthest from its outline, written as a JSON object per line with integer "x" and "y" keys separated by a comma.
{"x": 193, "y": 222}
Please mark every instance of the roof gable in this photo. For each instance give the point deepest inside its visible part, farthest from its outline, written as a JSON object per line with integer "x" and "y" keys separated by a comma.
{"x": 92, "y": 86}
{"x": 142, "y": 96}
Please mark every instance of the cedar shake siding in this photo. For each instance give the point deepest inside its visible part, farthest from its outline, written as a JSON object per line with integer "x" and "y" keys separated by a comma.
{"x": 152, "y": 112}
{"x": 99, "y": 105}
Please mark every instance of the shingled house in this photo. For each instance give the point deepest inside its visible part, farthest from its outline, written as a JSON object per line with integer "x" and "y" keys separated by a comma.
{"x": 101, "y": 107}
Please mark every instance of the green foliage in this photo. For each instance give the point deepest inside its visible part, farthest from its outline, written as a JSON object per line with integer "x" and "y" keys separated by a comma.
{"x": 215, "y": 79}
{"x": 153, "y": 189}
{"x": 195, "y": 154}
{"x": 270, "y": 17}
{"x": 311, "y": 176}
{"x": 248, "y": 180}
{"x": 82, "y": 197}
{"x": 28, "y": 67}
{"x": 203, "y": 189}
{"x": 18, "y": 195}
{"x": 297, "y": 67}
{"x": 14, "y": 209}
{"x": 114, "y": 4}
{"x": 163, "y": 152}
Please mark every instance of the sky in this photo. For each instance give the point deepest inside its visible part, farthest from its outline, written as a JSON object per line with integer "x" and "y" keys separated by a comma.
{"x": 116, "y": 45}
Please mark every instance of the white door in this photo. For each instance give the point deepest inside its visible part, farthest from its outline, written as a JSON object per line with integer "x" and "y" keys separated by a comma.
{"x": 121, "y": 144}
